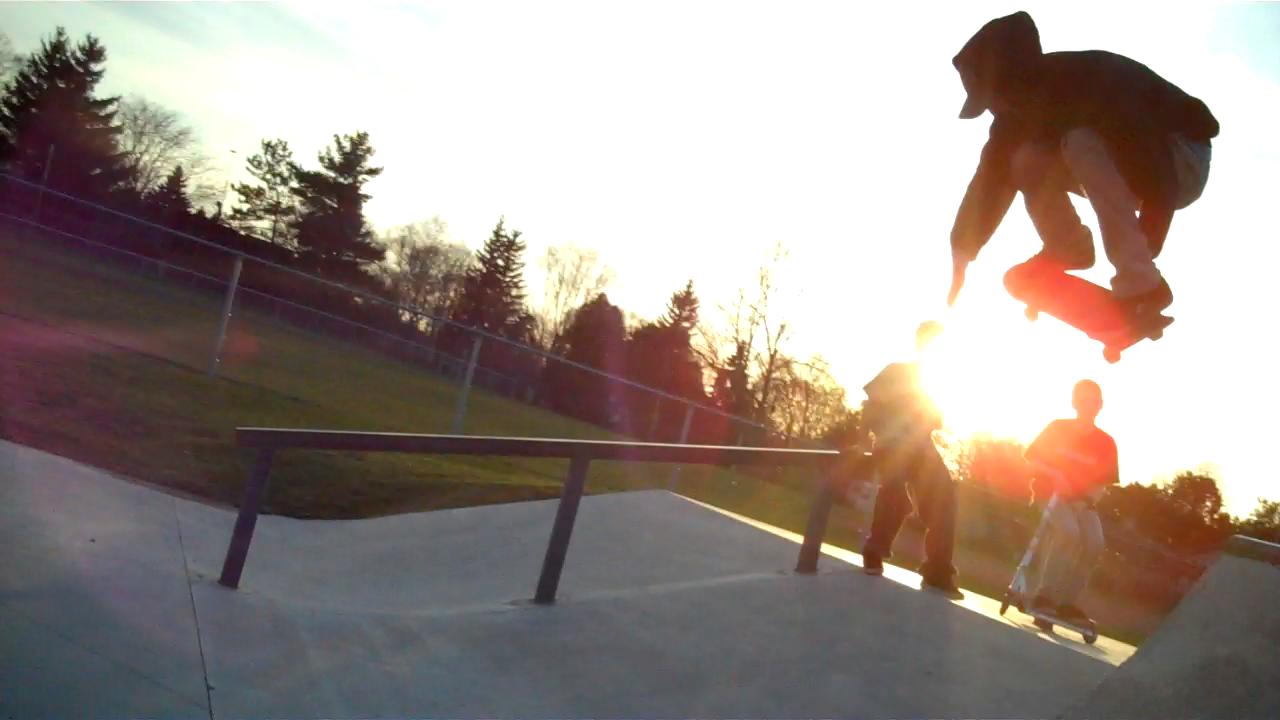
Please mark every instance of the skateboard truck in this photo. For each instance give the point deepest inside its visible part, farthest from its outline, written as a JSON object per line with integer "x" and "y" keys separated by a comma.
{"x": 1119, "y": 340}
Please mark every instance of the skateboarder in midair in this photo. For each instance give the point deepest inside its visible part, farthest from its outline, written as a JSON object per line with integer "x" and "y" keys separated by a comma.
{"x": 902, "y": 419}
{"x": 1078, "y": 460}
{"x": 1092, "y": 123}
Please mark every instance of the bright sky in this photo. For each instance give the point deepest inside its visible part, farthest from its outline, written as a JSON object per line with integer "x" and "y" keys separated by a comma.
{"x": 683, "y": 139}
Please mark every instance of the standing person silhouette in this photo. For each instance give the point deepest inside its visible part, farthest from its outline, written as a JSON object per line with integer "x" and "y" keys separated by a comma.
{"x": 902, "y": 418}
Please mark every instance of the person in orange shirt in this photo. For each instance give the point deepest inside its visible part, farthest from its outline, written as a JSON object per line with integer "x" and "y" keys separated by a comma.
{"x": 1079, "y": 461}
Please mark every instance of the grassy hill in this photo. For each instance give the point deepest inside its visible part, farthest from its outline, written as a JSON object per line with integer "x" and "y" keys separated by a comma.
{"x": 109, "y": 366}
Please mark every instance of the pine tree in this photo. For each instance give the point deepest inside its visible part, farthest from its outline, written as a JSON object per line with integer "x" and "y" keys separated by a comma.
{"x": 333, "y": 237}
{"x": 674, "y": 330}
{"x": 170, "y": 201}
{"x": 660, "y": 354}
{"x": 50, "y": 104}
{"x": 595, "y": 337}
{"x": 682, "y": 309}
{"x": 493, "y": 290}
{"x": 268, "y": 209}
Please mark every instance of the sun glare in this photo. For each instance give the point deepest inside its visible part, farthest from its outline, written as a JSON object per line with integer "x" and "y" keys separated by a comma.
{"x": 991, "y": 372}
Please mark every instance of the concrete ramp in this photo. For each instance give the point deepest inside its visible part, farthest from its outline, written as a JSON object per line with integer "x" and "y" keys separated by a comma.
{"x": 109, "y": 607}
{"x": 1216, "y": 656}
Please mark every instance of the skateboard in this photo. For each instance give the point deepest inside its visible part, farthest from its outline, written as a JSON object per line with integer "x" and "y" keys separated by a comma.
{"x": 1079, "y": 303}
{"x": 1016, "y": 595}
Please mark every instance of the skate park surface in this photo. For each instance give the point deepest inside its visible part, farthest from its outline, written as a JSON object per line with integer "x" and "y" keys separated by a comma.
{"x": 110, "y": 607}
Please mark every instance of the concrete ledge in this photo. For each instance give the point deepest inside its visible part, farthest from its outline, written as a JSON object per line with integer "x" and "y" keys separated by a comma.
{"x": 1253, "y": 549}
{"x": 1213, "y": 656}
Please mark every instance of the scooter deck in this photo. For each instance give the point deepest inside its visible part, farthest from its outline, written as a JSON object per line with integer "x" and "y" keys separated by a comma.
{"x": 1089, "y": 633}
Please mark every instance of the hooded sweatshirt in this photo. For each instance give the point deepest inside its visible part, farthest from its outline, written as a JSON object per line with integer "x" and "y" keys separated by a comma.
{"x": 1133, "y": 109}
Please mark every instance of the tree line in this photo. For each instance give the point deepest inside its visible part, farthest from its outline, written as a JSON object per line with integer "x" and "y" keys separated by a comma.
{"x": 136, "y": 156}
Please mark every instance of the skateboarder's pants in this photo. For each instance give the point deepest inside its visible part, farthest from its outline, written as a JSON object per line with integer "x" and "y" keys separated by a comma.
{"x": 916, "y": 470}
{"x": 1070, "y": 552}
{"x": 1081, "y": 164}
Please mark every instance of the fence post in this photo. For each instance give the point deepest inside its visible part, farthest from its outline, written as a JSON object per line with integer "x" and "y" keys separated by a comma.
{"x": 561, "y": 531}
{"x": 460, "y": 413}
{"x": 44, "y": 182}
{"x": 816, "y": 529}
{"x": 684, "y": 439}
{"x": 738, "y": 440}
{"x": 653, "y": 418}
{"x": 226, "y": 314}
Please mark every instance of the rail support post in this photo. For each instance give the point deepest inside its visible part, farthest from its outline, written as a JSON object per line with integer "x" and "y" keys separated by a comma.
{"x": 242, "y": 535}
{"x": 561, "y": 531}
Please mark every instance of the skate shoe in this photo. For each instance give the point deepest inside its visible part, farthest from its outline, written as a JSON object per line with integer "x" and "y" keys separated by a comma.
{"x": 944, "y": 586}
{"x": 1143, "y": 311}
{"x": 872, "y": 563}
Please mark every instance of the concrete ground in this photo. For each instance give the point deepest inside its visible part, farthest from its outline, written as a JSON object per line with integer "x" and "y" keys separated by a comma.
{"x": 109, "y": 607}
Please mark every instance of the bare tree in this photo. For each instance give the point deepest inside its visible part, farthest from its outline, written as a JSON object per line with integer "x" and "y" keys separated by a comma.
{"x": 726, "y": 353}
{"x": 155, "y": 140}
{"x": 807, "y": 401}
{"x": 573, "y": 277}
{"x": 775, "y": 330}
{"x": 424, "y": 269}
{"x": 747, "y": 355}
{"x": 756, "y": 321}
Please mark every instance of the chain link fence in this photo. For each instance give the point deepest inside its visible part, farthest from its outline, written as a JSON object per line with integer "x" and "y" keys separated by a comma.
{"x": 244, "y": 311}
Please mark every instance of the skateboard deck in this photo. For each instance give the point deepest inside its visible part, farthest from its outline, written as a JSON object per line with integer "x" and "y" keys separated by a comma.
{"x": 1079, "y": 303}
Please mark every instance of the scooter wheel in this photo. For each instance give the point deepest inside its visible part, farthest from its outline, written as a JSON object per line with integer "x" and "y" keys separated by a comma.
{"x": 1004, "y": 606}
{"x": 1112, "y": 355}
{"x": 1031, "y": 313}
{"x": 1091, "y": 636}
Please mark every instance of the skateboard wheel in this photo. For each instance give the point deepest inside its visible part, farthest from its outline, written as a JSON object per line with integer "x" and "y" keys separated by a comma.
{"x": 1032, "y": 314}
{"x": 1091, "y": 636}
{"x": 1004, "y": 606}
{"x": 1112, "y": 355}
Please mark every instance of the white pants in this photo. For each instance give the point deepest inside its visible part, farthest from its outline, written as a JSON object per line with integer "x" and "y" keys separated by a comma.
{"x": 1082, "y": 165}
{"x": 1070, "y": 551}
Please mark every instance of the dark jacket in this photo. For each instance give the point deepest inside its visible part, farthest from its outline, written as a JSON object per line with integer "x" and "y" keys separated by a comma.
{"x": 898, "y": 410}
{"x": 1132, "y": 108}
